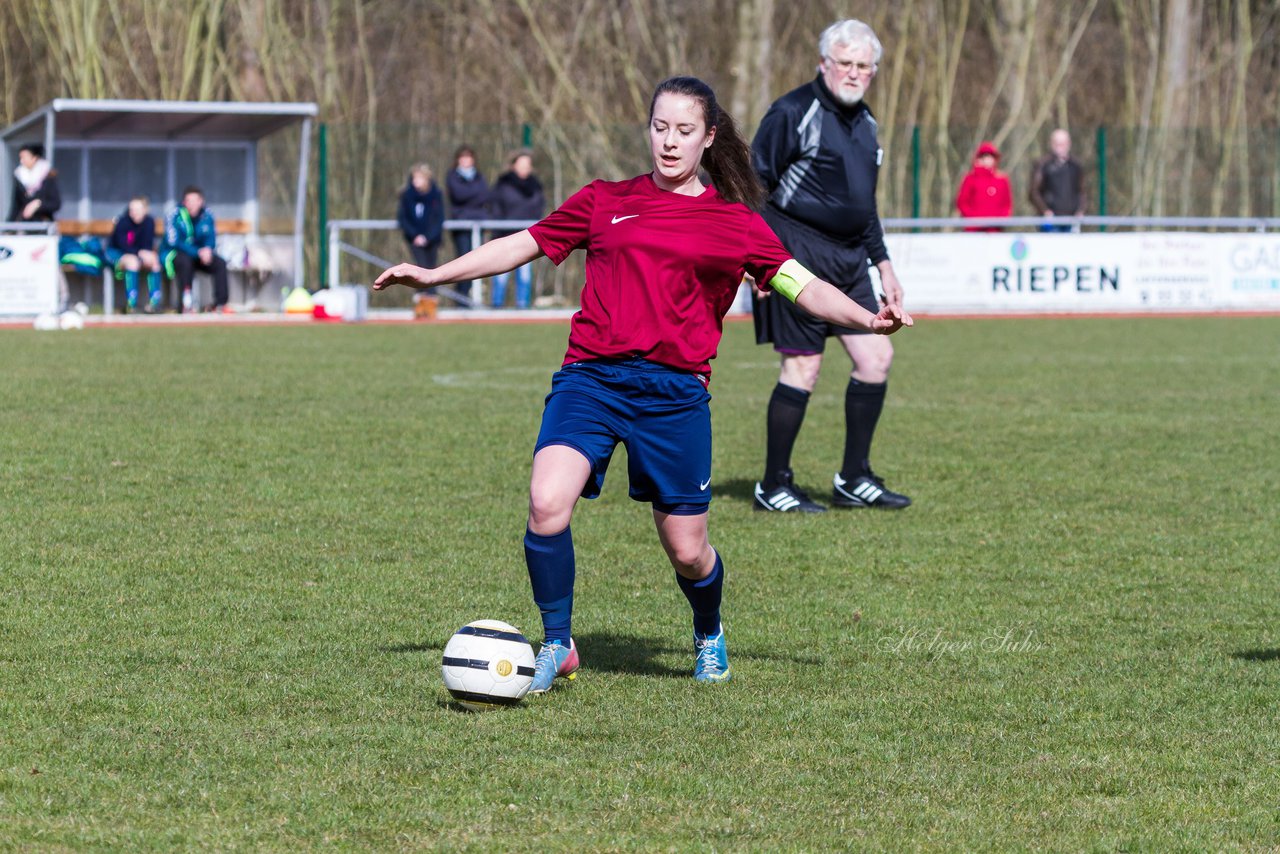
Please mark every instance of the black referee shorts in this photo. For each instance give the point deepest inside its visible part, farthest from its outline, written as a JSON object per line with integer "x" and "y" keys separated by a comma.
{"x": 792, "y": 330}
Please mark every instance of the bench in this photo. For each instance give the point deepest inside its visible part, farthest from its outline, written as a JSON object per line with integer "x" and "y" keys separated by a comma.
{"x": 238, "y": 230}
{"x": 103, "y": 227}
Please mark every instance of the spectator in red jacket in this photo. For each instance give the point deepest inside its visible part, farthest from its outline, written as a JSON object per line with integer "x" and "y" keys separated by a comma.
{"x": 985, "y": 190}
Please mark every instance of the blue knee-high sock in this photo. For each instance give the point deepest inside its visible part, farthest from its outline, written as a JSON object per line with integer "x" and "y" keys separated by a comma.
{"x": 551, "y": 571}
{"x": 131, "y": 287}
{"x": 153, "y": 287}
{"x": 704, "y": 597}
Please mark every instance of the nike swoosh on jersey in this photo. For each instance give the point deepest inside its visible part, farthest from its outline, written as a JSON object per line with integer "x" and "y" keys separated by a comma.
{"x": 618, "y": 219}
{"x": 705, "y": 484}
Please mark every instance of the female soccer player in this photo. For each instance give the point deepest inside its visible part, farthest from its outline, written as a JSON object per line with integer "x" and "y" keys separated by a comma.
{"x": 665, "y": 256}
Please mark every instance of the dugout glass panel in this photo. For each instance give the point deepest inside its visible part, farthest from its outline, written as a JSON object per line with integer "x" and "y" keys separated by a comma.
{"x": 223, "y": 173}
{"x": 118, "y": 174}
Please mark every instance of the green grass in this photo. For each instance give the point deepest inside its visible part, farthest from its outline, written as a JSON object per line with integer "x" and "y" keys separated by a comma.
{"x": 230, "y": 559}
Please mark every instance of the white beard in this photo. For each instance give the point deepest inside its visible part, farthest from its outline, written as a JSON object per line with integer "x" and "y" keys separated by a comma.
{"x": 848, "y": 99}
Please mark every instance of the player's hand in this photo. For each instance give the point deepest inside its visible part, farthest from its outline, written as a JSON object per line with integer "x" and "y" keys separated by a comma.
{"x": 30, "y": 209}
{"x": 890, "y": 319}
{"x": 206, "y": 255}
{"x": 403, "y": 274}
{"x": 420, "y": 240}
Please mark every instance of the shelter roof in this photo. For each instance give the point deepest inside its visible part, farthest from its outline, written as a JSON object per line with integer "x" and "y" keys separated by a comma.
{"x": 162, "y": 120}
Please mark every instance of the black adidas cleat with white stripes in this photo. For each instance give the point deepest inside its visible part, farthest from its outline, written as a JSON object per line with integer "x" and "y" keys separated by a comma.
{"x": 786, "y": 497}
{"x": 865, "y": 491}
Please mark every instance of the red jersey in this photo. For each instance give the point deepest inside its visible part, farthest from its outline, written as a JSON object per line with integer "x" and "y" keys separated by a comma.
{"x": 662, "y": 269}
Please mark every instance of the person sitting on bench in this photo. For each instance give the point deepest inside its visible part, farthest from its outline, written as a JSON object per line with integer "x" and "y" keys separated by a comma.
{"x": 132, "y": 248}
{"x": 190, "y": 239}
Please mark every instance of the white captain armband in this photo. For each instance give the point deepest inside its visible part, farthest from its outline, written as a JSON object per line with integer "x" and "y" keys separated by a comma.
{"x": 791, "y": 279}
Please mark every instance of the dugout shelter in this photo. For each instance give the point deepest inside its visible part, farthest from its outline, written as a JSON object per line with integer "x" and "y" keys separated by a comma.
{"x": 250, "y": 159}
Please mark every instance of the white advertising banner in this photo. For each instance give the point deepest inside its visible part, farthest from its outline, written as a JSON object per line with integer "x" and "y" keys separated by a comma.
{"x": 29, "y": 271}
{"x": 1052, "y": 272}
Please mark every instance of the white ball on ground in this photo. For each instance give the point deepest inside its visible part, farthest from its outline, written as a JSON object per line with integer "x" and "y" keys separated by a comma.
{"x": 487, "y": 664}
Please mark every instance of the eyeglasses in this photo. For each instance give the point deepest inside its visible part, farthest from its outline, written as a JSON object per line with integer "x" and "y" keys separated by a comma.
{"x": 845, "y": 66}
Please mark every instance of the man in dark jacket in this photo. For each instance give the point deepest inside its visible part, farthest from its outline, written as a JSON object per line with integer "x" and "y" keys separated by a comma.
{"x": 35, "y": 187}
{"x": 190, "y": 244}
{"x": 816, "y": 152}
{"x": 1057, "y": 182}
{"x": 468, "y": 199}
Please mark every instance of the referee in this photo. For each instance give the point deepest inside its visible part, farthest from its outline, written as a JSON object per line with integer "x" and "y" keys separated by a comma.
{"x": 817, "y": 154}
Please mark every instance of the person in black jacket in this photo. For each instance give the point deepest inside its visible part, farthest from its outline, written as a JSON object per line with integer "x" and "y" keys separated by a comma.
{"x": 816, "y": 152}
{"x": 132, "y": 248}
{"x": 1057, "y": 182}
{"x": 517, "y": 194}
{"x": 421, "y": 219}
{"x": 468, "y": 199}
{"x": 35, "y": 187}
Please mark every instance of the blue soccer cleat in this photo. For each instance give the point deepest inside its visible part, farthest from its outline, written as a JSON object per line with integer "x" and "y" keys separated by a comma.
{"x": 712, "y": 663}
{"x": 554, "y": 659}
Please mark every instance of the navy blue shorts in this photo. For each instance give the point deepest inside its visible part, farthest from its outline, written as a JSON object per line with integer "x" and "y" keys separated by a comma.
{"x": 790, "y": 329}
{"x": 661, "y": 415}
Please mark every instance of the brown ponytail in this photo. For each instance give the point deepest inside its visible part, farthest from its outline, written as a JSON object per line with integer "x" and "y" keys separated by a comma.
{"x": 728, "y": 160}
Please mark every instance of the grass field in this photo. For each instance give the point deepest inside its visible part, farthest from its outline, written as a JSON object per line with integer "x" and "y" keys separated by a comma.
{"x": 231, "y": 557}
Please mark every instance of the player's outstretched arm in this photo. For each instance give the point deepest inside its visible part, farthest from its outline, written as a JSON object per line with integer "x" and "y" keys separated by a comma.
{"x": 823, "y": 299}
{"x": 496, "y": 256}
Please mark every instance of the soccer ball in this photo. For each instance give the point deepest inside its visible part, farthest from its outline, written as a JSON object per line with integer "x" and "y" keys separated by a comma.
{"x": 487, "y": 664}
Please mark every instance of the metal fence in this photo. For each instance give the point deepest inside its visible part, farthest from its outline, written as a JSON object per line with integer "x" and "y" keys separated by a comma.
{"x": 1131, "y": 172}
{"x": 374, "y": 262}
{"x": 356, "y": 253}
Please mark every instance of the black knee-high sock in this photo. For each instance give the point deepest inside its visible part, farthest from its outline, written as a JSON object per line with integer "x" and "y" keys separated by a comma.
{"x": 786, "y": 414}
{"x": 862, "y": 405}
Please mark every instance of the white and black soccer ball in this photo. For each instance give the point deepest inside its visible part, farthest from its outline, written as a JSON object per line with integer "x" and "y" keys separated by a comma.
{"x": 487, "y": 664}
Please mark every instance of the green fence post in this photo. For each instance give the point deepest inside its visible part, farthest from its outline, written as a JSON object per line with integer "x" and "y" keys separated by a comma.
{"x": 915, "y": 171}
{"x": 526, "y": 135}
{"x": 1102, "y": 172}
{"x": 322, "y": 191}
